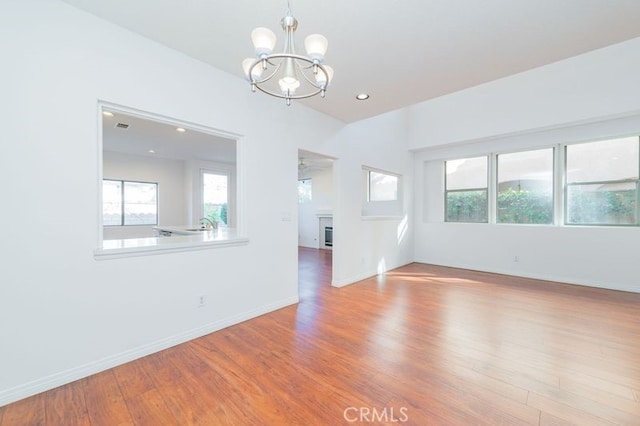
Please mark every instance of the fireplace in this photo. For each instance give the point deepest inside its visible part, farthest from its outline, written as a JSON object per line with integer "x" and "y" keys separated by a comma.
{"x": 328, "y": 236}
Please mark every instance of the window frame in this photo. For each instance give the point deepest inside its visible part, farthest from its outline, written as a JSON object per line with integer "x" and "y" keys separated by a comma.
{"x": 218, "y": 172}
{"x": 566, "y": 185}
{"x": 554, "y": 179}
{"x": 123, "y": 204}
{"x": 380, "y": 172}
{"x": 301, "y": 180}
{"x": 485, "y": 189}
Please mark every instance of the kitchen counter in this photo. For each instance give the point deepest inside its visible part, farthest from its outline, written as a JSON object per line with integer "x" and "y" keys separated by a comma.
{"x": 181, "y": 240}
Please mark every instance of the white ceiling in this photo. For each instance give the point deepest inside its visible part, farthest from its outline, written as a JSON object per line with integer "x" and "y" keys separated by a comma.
{"x": 310, "y": 161}
{"x": 144, "y": 135}
{"x": 400, "y": 52}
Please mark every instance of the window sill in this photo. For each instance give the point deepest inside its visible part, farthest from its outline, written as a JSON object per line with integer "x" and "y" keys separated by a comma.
{"x": 114, "y": 249}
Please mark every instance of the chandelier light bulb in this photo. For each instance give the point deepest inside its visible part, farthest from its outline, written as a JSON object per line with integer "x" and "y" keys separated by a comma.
{"x": 255, "y": 73}
{"x": 289, "y": 85}
{"x": 321, "y": 78}
{"x": 316, "y": 46}
{"x": 264, "y": 40}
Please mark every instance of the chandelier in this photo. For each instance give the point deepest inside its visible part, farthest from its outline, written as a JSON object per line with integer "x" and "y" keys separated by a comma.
{"x": 288, "y": 75}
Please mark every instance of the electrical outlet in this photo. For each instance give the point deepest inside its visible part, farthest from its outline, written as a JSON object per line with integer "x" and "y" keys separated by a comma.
{"x": 202, "y": 300}
{"x": 516, "y": 258}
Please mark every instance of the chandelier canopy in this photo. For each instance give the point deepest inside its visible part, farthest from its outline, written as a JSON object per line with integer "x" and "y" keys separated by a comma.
{"x": 288, "y": 75}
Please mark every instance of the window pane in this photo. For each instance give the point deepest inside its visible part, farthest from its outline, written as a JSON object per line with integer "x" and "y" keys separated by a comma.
{"x": 304, "y": 191}
{"x": 140, "y": 203}
{"x": 614, "y": 159}
{"x": 525, "y": 187}
{"x": 111, "y": 203}
{"x": 466, "y": 206}
{"x": 468, "y": 173}
{"x": 382, "y": 187}
{"x": 215, "y": 194}
{"x": 602, "y": 203}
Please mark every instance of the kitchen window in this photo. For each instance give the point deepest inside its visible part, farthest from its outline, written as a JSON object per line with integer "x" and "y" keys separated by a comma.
{"x": 215, "y": 197}
{"x": 129, "y": 203}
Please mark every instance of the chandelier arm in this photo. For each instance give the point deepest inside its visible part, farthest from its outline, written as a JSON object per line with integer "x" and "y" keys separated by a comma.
{"x": 288, "y": 96}
{"x": 268, "y": 77}
{"x": 297, "y": 58}
{"x": 311, "y": 82}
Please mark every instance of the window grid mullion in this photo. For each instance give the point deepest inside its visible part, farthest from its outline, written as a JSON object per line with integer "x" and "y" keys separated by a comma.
{"x": 122, "y": 209}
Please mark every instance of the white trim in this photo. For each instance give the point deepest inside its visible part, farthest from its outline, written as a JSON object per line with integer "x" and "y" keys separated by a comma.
{"x": 353, "y": 279}
{"x": 218, "y": 170}
{"x": 365, "y": 275}
{"x": 177, "y": 247}
{"x": 381, "y": 171}
{"x": 159, "y": 118}
{"x": 241, "y": 189}
{"x": 607, "y": 285}
{"x": 63, "y": 377}
{"x": 527, "y": 132}
{"x": 238, "y": 199}
{"x": 100, "y": 168}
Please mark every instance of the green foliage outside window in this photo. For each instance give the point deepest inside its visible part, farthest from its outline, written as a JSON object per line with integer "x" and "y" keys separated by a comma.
{"x": 613, "y": 207}
{"x": 522, "y": 206}
{"x": 216, "y": 212}
{"x": 467, "y": 206}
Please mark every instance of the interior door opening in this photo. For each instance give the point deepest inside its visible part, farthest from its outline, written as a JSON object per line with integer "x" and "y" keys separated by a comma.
{"x": 315, "y": 216}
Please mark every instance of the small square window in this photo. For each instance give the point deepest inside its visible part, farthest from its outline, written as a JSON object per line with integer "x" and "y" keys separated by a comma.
{"x": 382, "y": 186}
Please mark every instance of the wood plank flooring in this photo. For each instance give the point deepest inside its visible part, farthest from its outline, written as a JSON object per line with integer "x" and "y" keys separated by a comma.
{"x": 420, "y": 345}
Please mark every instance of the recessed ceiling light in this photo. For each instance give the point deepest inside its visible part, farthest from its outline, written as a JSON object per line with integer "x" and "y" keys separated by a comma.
{"x": 362, "y": 96}
{"x": 107, "y": 113}
{"x": 151, "y": 151}
{"x": 180, "y": 129}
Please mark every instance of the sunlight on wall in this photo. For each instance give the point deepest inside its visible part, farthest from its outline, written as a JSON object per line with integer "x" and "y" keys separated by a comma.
{"x": 402, "y": 228}
{"x": 382, "y": 266}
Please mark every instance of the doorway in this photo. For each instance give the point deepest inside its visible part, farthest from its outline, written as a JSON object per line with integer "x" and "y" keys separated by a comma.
{"x": 315, "y": 220}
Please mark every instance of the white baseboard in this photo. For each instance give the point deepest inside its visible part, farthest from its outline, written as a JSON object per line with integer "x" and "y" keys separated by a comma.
{"x": 353, "y": 279}
{"x": 58, "y": 379}
{"x": 363, "y": 276}
{"x": 535, "y": 276}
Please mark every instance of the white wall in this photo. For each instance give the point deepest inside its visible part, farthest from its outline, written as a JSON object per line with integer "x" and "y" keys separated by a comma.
{"x": 321, "y": 202}
{"x": 592, "y": 96}
{"x": 64, "y": 314}
{"x": 172, "y": 190}
{"x": 602, "y": 83}
{"x": 364, "y": 247}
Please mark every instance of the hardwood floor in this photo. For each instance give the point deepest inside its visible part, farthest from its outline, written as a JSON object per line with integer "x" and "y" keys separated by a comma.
{"x": 419, "y": 345}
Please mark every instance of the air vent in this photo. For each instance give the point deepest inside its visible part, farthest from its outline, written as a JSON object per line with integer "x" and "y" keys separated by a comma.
{"x": 122, "y": 125}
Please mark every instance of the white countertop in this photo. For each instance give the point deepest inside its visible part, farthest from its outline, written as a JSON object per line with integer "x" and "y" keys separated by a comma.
{"x": 193, "y": 240}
